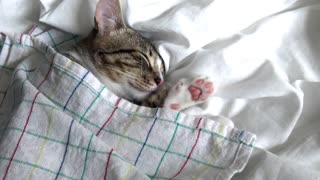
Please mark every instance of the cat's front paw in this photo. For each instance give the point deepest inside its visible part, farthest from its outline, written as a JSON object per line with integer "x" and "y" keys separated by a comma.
{"x": 189, "y": 92}
{"x": 200, "y": 89}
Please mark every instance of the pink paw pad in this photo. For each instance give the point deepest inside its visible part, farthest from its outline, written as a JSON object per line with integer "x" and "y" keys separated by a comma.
{"x": 200, "y": 81}
{"x": 201, "y": 89}
{"x": 208, "y": 84}
{"x": 175, "y": 106}
{"x": 195, "y": 92}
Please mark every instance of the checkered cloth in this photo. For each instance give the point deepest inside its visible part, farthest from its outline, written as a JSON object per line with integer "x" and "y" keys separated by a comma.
{"x": 58, "y": 122}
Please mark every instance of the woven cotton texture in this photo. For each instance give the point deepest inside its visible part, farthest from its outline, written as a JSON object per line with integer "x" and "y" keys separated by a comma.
{"x": 57, "y": 121}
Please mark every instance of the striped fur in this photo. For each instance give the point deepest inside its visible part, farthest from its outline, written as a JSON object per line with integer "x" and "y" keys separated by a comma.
{"x": 126, "y": 62}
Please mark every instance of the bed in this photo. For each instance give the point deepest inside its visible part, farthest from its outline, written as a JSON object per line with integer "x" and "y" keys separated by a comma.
{"x": 58, "y": 121}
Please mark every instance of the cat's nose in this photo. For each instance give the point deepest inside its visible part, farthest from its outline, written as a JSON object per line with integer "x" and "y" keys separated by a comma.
{"x": 158, "y": 80}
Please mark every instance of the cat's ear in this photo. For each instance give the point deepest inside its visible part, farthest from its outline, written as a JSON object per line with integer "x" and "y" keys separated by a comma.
{"x": 108, "y": 16}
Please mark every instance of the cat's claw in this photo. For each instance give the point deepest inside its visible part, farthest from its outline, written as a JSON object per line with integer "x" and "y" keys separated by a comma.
{"x": 189, "y": 92}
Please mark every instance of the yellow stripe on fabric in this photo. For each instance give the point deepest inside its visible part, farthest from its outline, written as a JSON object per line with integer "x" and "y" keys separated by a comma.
{"x": 42, "y": 145}
{"x": 68, "y": 64}
{"x": 213, "y": 155}
{"x": 133, "y": 118}
{"x": 66, "y": 67}
{"x": 128, "y": 172}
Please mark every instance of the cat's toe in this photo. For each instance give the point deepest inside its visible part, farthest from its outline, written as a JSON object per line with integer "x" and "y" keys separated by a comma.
{"x": 175, "y": 106}
{"x": 208, "y": 84}
{"x": 199, "y": 81}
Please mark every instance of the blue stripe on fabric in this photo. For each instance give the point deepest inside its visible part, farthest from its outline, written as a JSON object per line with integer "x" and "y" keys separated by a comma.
{"x": 74, "y": 90}
{"x": 155, "y": 119}
{"x": 65, "y": 152}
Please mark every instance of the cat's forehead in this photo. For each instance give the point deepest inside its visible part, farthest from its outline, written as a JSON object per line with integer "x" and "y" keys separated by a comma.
{"x": 124, "y": 38}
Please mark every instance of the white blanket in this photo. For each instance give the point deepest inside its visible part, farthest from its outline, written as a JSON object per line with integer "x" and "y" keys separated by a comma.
{"x": 263, "y": 55}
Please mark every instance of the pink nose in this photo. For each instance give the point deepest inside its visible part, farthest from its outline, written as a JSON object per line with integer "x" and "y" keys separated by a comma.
{"x": 158, "y": 81}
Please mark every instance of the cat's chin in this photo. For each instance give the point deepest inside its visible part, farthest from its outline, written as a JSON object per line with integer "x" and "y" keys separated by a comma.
{"x": 124, "y": 89}
{"x": 136, "y": 94}
{"x": 147, "y": 90}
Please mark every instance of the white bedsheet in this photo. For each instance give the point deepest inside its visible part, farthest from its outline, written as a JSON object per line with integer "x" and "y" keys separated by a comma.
{"x": 264, "y": 56}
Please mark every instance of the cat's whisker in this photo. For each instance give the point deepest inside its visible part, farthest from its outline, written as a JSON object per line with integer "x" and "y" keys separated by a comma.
{"x": 128, "y": 75}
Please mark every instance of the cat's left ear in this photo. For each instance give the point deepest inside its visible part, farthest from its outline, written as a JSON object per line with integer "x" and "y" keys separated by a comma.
{"x": 108, "y": 16}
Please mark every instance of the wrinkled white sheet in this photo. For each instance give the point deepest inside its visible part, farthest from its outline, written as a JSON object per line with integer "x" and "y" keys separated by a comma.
{"x": 263, "y": 55}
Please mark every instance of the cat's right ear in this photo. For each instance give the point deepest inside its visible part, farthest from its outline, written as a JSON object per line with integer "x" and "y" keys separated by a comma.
{"x": 108, "y": 16}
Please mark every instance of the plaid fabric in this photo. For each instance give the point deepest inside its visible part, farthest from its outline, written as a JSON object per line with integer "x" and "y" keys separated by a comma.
{"x": 58, "y": 121}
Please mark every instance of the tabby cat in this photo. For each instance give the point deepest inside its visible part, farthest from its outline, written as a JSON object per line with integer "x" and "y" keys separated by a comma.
{"x": 129, "y": 65}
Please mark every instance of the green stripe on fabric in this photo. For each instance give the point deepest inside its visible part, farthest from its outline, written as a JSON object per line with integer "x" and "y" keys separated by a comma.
{"x": 66, "y": 40}
{"x": 177, "y": 117}
{"x": 86, "y": 158}
{"x": 84, "y": 114}
{"x": 36, "y": 166}
{"x": 53, "y": 43}
{"x": 7, "y": 44}
{"x": 157, "y": 177}
{"x": 170, "y": 143}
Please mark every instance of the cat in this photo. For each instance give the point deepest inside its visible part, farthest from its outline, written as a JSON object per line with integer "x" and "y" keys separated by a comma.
{"x": 130, "y": 66}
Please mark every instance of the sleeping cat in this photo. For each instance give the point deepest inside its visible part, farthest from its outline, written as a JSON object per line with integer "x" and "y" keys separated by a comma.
{"x": 129, "y": 65}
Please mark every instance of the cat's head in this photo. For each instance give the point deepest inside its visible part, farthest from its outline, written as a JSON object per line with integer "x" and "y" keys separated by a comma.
{"x": 123, "y": 56}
